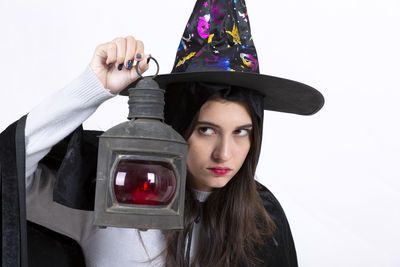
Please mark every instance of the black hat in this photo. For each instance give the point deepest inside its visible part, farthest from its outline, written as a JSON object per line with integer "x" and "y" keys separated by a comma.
{"x": 217, "y": 47}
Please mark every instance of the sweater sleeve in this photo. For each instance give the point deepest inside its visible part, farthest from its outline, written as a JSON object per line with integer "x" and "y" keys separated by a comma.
{"x": 59, "y": 114}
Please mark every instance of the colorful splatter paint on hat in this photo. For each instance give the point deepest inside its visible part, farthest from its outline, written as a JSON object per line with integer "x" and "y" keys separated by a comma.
{"x": 217, "y": 37}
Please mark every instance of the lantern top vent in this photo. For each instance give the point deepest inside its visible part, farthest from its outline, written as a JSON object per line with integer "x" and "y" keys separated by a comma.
{"x": 146, "y": 100}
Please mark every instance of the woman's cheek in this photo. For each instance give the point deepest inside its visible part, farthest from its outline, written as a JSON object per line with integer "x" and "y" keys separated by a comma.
{"x": 243, "y": 142}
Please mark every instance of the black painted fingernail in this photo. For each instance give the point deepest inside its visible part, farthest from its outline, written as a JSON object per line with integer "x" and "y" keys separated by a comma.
{"x": 138, "y": 56}
{"x": 129, "y": 66}
{"x": 120, "y": 66}
{"x": 109, "y": 65}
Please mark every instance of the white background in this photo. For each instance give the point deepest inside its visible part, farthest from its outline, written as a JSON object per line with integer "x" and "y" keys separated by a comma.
{"x": 336, "y": 173}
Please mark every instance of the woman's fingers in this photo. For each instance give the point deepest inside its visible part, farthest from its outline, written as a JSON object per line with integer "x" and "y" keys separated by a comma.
{"x": 121, "y": 52}
{"x": 139, "y": 51}
{"x": 130, "y": 52}
{"x": 114, "y": 62}
{"x": 143, "y": 66}
{"x": 135, "y": 51}
{"x": 111, "y": 53}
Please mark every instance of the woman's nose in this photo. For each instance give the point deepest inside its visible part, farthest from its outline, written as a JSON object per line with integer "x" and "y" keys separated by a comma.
{"x": 223, "y": 150}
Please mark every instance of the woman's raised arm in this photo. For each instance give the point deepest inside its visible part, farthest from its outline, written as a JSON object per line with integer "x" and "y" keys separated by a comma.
{"x": 110, "y": 70}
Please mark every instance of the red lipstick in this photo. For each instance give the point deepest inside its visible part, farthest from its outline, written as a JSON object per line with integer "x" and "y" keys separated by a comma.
{"x": 220, "y": 170}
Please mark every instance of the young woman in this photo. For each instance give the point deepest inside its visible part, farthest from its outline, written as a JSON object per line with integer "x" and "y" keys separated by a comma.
{"x": 224, "y": 142}
{"x": 225, "y": 216}
{"x": 215, "y": 98}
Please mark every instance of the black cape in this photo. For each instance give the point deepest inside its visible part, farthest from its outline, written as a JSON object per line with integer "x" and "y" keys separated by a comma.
{"x": 75, "y": 158}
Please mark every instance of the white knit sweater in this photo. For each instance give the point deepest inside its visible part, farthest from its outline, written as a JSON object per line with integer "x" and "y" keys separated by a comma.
{"x": 46, "y": 125}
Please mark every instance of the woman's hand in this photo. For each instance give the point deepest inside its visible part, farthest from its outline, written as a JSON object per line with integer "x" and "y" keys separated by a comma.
{"x": 113, "y": 62}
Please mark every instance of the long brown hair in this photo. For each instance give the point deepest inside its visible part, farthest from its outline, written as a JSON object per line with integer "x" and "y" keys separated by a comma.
{"x": 234, "y": 221}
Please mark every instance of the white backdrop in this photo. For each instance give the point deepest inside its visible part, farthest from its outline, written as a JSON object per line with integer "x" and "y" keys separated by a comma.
{"x": 336, "y": 173}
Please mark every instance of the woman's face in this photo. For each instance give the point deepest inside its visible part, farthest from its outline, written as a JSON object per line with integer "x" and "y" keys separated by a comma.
{"x": 219, "y": 144}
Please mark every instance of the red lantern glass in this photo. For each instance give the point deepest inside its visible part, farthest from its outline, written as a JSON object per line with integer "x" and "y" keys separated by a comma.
{"x": 144, "y": 182}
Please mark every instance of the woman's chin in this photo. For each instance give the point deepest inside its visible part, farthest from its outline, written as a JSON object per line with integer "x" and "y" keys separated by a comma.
{"x": 217, "y": 182}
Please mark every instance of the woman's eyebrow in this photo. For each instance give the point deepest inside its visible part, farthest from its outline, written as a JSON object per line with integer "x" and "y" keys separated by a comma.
{"x": 208, "y": 123}
{"x": 249, "y": 125}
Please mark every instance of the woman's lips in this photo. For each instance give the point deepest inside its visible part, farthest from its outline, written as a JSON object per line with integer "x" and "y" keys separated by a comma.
{"x": 219, "y": 171}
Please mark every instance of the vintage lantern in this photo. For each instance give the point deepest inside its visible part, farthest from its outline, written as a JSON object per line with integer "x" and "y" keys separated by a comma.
{"x": 141, "y": 171}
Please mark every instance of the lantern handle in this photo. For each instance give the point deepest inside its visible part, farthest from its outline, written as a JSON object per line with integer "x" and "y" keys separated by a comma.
{"x": 148, "y": 60}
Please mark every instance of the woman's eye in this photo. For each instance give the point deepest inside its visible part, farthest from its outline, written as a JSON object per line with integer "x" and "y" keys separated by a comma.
{"x": 242, "y": 132}
{"x": 206, "y": 131}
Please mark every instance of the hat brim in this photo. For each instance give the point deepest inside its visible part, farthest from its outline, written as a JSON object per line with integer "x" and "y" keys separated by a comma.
{"x": 280, "y": 94}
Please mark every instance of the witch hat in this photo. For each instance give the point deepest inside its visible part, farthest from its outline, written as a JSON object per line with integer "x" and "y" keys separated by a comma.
{"x": 217, "y": 47}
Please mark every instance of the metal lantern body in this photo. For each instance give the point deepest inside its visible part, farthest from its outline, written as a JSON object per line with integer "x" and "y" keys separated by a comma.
{"x": 141, "y": 169}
